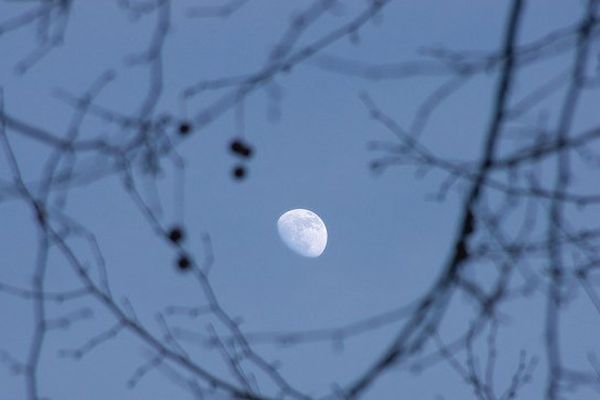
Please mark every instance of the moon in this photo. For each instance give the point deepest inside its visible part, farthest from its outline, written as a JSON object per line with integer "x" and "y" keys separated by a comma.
{"x": 303, "y": 232}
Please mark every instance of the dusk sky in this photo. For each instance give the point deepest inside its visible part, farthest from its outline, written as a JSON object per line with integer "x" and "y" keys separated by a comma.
{"x": 314, "y": 141}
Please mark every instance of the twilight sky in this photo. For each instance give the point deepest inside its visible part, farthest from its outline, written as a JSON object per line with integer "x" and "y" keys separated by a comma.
{"x": 313, "y": 137}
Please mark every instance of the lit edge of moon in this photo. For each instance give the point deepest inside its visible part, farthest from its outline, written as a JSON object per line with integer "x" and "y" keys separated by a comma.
{"x": 303, "y": 231}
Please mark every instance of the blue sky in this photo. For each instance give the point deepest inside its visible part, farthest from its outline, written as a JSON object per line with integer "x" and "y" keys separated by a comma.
{"x": 387, "y": 238}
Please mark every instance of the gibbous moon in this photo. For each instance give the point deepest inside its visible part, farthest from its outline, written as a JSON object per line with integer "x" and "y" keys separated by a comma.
{"x": 303, "y": 232}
